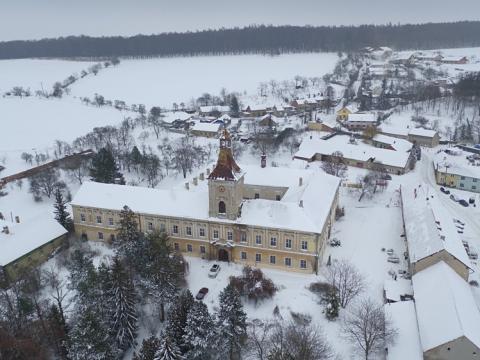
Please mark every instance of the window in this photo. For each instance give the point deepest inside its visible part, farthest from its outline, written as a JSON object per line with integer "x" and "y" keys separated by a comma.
{"x": 202, "y": 249}
{"x": 201, "y": 232}
{"x": 112, "y": 238}
{"x": 229, "y": 235}
{"x": 221, "y": 208}
{"x": 175, "y": 229}
{"x": 462, "y": 185}
{"x": 277, "y": 197}
{"x": 188, "y": 229}
{"x": 176, "y": 247}
{"x": 474, "y": 187}
{"x": 474, "y": 179}
{"x": 257, "y": 196}
{"x": 273, "y": 241}
{"x": 303, "y": 264}
{"x": 99, "y": 219}
{"x": 304, "y": 245}
{"x": 462, "y": 177}
{"x": 288, "y": 243}
{"x": 110, "y": 221}
{"x": 258, "y": 257}
{"x": 243, "y": 237}
{"x": 273, "y": 259}
{"x": 82, "y": 217}
{"x": 100, "y": 236}
{"x": 150, "y": 226}
{"x": 243, "y": 255}
{"x": 258, "y": 239}
{"x": 288, "y": 261}
{"x": 215, "y": 234}
{"x": 162, "y": 227}
{"x": 189, "y": 247}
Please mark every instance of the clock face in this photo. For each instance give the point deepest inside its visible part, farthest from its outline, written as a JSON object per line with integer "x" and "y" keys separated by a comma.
{"x": 221, "y": 189}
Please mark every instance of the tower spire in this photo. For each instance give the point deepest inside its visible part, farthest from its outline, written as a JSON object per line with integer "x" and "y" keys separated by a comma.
{"x": 226, "y": 167}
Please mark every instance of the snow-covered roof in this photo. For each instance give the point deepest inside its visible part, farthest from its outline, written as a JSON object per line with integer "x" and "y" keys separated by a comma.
{"x": 446, "y": 308}
{"x": 171, "y": 116}
{"x": 317, "y": 192}
{"x": 396, "y": 143}
{"x": 360, "y": 151}
{"x": 225, "y": 117}
{"x": 26, "y": 237}
{"x": 394, "y": 289}
{"x": 211, "y": 108}
{"x": 362, "y": 117}
{"x": 422, "y": 132}
{"x": 208, "y": 127}
{"x": 407, "y": 341}
{"x": 457, "y": 164}
{"x": 429, "y": 228}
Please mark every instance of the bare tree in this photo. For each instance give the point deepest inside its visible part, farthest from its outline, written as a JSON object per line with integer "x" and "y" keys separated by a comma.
{"x": 368, "y": 183}
{"x": 335, "y": 165}
{"x": 367, "y": 327}
{"x": 259, "y": 334}
{"x": 298, "y": 341}
{"x": 44, "y": 183}
{"x": 80, "y": 172}
{"x": 346, "y": 279}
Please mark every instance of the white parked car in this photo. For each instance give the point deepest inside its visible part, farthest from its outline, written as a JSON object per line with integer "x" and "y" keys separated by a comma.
{"x": 214, "y": 270}
{"x": 393, "y": 259}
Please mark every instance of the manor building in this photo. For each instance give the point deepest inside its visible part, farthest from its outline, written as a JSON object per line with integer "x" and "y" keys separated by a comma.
{"x": 257, "y": 215}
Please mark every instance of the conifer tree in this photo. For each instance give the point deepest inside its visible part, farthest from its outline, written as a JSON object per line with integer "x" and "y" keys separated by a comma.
{"x": 200, "y": 334}
{"x": 61, "y": 213}
{"x": 332, "y": 305}
{"x": 232, "y": 321}
{"x": 59, "y": 332}
{"x": 168, "y": 350}
{"x": 104, "y": 168}
{"x": 177, "y": 318}
{"x": 148, "y": 349}
{"x": 121, "y": 299}
{"x": 128, "y": 234}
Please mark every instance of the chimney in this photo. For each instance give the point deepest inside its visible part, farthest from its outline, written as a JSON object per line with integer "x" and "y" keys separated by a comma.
{"x": 300, "y": 181}
{"x": 208, "y": 171}
{"x": 195, "y": 181}
{"x": 263, "y": 161}
{"x": 202, "y": 176}
{"x": 187, "y": 186}
{"x": 17, "y": 219}
{"x": 301, "y": 204}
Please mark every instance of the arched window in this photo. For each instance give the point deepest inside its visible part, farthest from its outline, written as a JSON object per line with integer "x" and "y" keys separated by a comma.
{"x": 221, "y": 208}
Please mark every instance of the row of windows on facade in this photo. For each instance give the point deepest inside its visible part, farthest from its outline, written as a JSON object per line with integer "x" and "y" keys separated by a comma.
{"x": 244, "y": 256}
{"x": 201, "y": 233}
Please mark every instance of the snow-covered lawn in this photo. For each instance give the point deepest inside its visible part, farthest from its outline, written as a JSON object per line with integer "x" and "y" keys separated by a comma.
{"x": 164, "y": 81}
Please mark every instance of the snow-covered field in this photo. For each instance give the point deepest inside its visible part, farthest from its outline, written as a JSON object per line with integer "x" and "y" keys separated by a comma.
{"x": 165, "y": 81}
{"x": 35, "y": 74}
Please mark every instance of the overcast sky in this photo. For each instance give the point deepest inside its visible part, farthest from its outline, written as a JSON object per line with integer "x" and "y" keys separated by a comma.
{"x": 34, "y": 19}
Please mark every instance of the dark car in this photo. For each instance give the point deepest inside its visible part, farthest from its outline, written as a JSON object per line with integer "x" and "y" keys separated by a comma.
{"x": 201, "y": 293}
{"x": 463, "y": 202}
{"x": 445, "y": 191}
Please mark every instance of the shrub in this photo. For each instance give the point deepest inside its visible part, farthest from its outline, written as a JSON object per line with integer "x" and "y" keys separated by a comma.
{"x": 253, "y": 285}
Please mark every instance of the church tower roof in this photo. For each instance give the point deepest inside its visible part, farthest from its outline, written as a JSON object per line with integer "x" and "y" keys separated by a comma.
{"x": 226, "y": 168}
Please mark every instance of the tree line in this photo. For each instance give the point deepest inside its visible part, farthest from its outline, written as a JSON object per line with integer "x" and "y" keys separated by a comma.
{"x": 252, "y": 39}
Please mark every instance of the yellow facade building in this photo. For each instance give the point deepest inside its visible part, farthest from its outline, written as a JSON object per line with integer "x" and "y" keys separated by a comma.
{"x": 261, "y": 216}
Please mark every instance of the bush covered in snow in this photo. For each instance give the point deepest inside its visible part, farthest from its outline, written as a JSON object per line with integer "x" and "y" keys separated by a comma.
{"x": 253, "y": 285}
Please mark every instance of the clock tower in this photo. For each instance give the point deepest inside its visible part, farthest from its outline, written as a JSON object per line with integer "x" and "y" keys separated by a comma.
{"x": 225, "y": 183}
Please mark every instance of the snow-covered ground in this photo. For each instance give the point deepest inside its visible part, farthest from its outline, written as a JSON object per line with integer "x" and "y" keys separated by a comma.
{"x": 37, "y": 74}
{"x": 164, "y": 81}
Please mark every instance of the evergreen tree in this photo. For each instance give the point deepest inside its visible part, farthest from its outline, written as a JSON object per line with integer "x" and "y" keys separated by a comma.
{"x": 135, "y": 157}
{"x": 168, "y": 350}
{"x": 83, "y": 278}
{"x": 232, "y": 322}
{"x": 148, "y": 349}
{"x": 177, "y": 318}
{"x": 128, "y": 234}
{"x": 234, "y": 106}
{"x": 121, "y": 299}
{"x": 90, "y": 337}
{"x": 332, "y": 305}
{"x": 59, "y": 332}
{"x": 104, "y": 168}
{"x": 200, "y": 334}
{"x": 61, "y": 213}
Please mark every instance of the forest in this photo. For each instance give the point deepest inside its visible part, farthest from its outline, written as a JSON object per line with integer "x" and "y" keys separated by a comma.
{"x": 256, "y": 39}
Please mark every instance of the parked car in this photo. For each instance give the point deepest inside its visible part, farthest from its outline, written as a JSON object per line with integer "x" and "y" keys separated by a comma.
{"x": 454, "y": 197}
{"x": 214, "y": 271}
{"x": 335, "y": 242}
{"x": 393, "y": 259}
{"x": 201, "y": 293}
{"x": 463, "y": 202}
{"x": 390, "y": 251}
{"x": 472, "y": 254}
{"x": 445, "y": 191}
{"x": 386, "y": 177}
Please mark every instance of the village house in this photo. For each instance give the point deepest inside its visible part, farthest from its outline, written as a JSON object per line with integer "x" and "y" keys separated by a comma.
{"x": 354, "y": 153}
{"x": 458, "y": 60}
{"x": 345, "y": 111}
{"x": 457, "y": 169}
{"x": 261, "y": 216}
{"x": 214, "y": 110}
{"x": 391, "y": 143}
{"x": 26, "y": 245}
{"x": 323, "y": 126}
{"x": 417, "y": 136}
{"x": 209, "y": 130}
{"x": 255, "y": 110}
{"x": 360, "y": 121}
